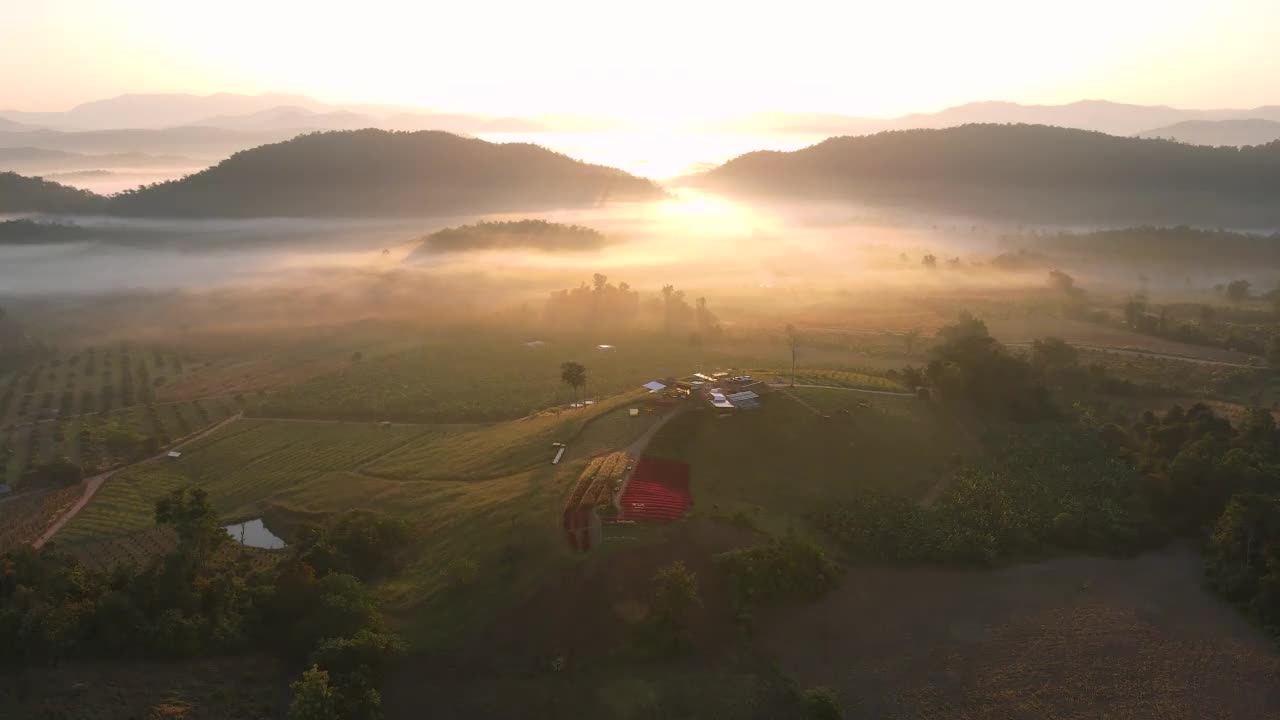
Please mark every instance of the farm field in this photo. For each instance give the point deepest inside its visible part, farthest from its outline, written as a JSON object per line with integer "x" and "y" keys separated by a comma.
{"x": 466, "y": 500}
{"x": 777, "y": 464}
{"x": 244, "y": 364}
{"x": 98, "y": 442}
{"x": 487, "y": 378}
{"x": 833, "y": 378}
{"x": 90, "y": 380}
{"x": 241, "y": 466}
{"x": 1120, "y": 638}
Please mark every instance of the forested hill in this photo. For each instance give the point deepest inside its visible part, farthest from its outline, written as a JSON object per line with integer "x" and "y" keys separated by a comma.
{"x": 375, "y": 172}
{"x": 1027, "y": 172}
{"x": 536, "y": 235}
{"x": 27, "y": 194}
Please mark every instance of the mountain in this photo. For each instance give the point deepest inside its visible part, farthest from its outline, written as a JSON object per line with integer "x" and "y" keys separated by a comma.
{"x": 23, "y": 194}
{"x": 1026, "y": 172}
{"x": 11, "y": 125}
{"x": 1099, "y": 115}
{"x": 375, "y": 172}
{"x": 159, "y": 110}
{"x": 200, "y": 142}
{"x": 39, "y": 160}
{"x": 1238, "y": 133}
{"x": 299, "y": 118}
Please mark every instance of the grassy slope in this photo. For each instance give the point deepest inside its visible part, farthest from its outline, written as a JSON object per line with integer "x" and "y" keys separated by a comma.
{"x": 498, "y": 508}
{"x": 781, "y": 462}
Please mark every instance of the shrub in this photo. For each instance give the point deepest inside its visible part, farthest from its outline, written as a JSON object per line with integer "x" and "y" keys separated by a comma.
{"x": 787, "y": 569}
{"x": 819, "y": 703}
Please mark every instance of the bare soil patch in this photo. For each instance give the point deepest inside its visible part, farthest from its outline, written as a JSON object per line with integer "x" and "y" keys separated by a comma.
{"x": 1069, "y": 638}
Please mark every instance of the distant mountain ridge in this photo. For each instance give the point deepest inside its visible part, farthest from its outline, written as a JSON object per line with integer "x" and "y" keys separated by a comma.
{"x": 284, "y": 111}
{"x": 1097, "y": 115}
{"x": 376, "y": 172}
{"x": 1030, "y": 173}
{"x": 30, "y": 159}
{"x": 1236, "y": 133}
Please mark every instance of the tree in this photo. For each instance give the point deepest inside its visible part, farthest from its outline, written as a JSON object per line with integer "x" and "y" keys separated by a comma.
{"x": 1053, "y": 353}
{"x": 793, "y": 341}
{"x": 1238, "y": 290}
{"x": 188, "y": 511}
{"x": 911, "y": 337}
{"x": 313, "y": 698}
{"x": 930, "y": 261}
{"x": 574, "y": 375}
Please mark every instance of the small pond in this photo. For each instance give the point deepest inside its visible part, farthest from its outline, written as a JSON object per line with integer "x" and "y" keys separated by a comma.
{"x": 254, "y": 534}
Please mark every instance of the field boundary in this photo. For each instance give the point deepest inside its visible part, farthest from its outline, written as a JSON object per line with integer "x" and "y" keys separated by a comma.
{"x": 93, "y": 484}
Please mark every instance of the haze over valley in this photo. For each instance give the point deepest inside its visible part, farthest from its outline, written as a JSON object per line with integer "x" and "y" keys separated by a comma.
{"x": 488, "y": 360}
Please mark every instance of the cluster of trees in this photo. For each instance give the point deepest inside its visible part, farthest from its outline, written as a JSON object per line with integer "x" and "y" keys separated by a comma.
{"x": 1041, "y": 489}
{"x": 970, "y": 368}
{"x": 515, "y": 234}
{"x": 27, "y": 194}
{"x": 204, "y": 598}
{"x": 600, "y": 306}
{"x": 603, "y": 306}
{"x": 377, "y": 172}
{"x": 1032, "y": 172}
{"x": 29, "y": 232}
{"x": 1180, "y": 246}
{"x": 784, "y": 570}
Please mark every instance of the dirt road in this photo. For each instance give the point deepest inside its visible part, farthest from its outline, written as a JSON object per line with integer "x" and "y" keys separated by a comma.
{"x": 91, "y": 485}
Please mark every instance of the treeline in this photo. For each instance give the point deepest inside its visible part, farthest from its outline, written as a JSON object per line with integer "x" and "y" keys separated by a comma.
{"x": 1057, "y": 479}
{"x": 28, "y": 194}
{"x": 607, "y": 307}
{"x": 202, "y": 600}
{"x": 1030, "y": 172}
{"x": 1158, "y": 246}
{"x": 376, "y": 172}
{"x": 28, "y": 232}
{"x": 517, "y": 234}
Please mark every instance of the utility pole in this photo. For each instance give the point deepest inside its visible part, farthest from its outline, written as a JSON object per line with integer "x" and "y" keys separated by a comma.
{"x": 792, "y": 340}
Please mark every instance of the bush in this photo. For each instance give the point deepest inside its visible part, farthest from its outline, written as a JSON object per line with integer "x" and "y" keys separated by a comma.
{"x": 820, "y": 703}
{"x": 783, "y": 570}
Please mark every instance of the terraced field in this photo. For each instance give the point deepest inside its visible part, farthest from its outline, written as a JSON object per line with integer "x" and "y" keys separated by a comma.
{"x": 241, "y": 466}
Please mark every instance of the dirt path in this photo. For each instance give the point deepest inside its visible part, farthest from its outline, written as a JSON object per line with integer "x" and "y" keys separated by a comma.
{"x": 639, "y": 445}
{"x": 92, "y": 484}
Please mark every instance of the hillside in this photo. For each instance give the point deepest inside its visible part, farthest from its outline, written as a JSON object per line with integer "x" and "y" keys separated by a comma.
{"x": 517, "y": 235}
{"x": 375, "y": 172}
{"x": 34, "y": 159}
{"x": 1026, "y": 172}
{"x": 1183, "y": 247}
{"x": 27, "y": 232}
{"x": 24, "y": 194}
{"x": 1242, "y": 132}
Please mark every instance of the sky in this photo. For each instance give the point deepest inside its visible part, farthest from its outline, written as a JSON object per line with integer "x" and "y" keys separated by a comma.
{"x": 656, "y": 60}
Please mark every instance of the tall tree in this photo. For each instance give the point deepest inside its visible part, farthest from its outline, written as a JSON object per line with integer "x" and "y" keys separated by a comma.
{"x": 574, "y": 375}
{"x": 911, "y": 337}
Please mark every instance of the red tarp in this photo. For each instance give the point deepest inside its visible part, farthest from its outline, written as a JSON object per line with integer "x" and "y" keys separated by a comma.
{"x": 657, "y": 492}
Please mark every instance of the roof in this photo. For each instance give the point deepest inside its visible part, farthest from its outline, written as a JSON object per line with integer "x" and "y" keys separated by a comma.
{"x": 654, "y": 386}
{"x": 604, "y": 347}
{"x": 700, "y": 376}
{"x": 174, "y": 454}
{"x": 536, "y": 343}
{"x": 5, "y": 489}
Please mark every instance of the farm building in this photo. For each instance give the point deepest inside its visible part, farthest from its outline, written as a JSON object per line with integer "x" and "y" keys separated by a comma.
{"x": 173, "y": 455}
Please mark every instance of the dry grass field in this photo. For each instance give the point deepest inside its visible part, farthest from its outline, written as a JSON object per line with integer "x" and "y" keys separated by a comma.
{"x": 1070, "y": 638}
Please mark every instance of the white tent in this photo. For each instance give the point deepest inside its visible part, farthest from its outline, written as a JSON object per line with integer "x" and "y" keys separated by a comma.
{"x": 654, "y": 386}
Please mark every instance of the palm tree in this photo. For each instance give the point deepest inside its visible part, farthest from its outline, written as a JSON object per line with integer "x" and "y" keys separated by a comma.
{"x": 574, "y": 375}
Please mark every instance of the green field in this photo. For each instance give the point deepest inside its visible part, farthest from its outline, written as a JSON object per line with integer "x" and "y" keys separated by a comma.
{"x": 781, "y": 462}
{"x": 484, "y": 378}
